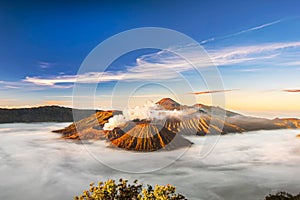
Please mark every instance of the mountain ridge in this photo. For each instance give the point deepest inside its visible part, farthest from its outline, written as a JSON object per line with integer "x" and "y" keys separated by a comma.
{"x": 42, "y": 114}
{"x": 144, "y": 135}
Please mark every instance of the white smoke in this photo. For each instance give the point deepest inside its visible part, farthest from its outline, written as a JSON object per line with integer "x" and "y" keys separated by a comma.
{"x": 115, "y": 121}
{"x": 144, "y": 112}
{"x": 148, "y": 111}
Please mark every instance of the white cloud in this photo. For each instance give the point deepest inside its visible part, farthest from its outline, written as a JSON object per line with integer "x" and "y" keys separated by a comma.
{"x": 165, "y": 66}
{"x": 44, "y": 65}
{"x": 255, "y": 28}
{"x": 241, "y": 32}
{"x": 143, "y": 70}
{"x": 250, "y": 70}
{"x": 292, "y": 63}
{"x": 252, "y": 52}
{"x": 50, "y": 81}
{"x": 29, "y": 85}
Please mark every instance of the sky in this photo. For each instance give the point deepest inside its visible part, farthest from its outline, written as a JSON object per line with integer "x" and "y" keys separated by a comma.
{"x": 255, "y": 46}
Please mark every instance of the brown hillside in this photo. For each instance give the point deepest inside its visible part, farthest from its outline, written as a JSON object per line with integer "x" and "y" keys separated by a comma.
{"x": 167, "y": 134}
{"x": 146, "y": 137}
{"x": 169, "y": 104}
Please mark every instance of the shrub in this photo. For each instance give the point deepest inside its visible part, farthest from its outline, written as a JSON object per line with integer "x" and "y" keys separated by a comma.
{"x": 110, "y": 190}
{"x": 282, "y": 196}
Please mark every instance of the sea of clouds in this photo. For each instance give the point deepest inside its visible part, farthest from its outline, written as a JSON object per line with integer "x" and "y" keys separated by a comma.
{"x": 36, "y": 163}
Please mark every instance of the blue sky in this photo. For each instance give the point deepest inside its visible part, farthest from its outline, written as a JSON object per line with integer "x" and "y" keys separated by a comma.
{"x": 255, "y": 45}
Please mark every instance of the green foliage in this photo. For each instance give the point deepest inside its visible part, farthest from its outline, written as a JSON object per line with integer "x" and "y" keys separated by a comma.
{"x": 282, "y": 196}
{"x": 110, "y": 190}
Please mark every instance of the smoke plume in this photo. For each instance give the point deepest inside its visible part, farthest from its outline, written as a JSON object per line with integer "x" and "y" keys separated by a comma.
{"x": 115, "y": 121}
{"x": 148, "y": 111}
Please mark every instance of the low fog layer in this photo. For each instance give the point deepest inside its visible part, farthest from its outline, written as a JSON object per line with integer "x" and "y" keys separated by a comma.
{"x": 35, "y": 162}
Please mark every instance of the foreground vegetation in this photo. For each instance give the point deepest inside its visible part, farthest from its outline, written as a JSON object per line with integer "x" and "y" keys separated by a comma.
{"x": 283, "y": 196}
{"x": 110, "y": 190}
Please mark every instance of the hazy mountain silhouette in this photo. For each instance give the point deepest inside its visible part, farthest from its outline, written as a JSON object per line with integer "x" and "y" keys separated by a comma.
{"x": 42, "y": 114}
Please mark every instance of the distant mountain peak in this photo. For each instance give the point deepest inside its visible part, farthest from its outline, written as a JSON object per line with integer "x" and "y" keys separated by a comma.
{"x": 169, "y": 104}
{"x": 166, "y": 99}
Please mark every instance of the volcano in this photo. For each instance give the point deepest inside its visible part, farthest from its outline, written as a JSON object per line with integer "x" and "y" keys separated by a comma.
{"x": 168, "y": 134}
{"x": 169, "y": 104}
{"x": 146, "y": 137}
